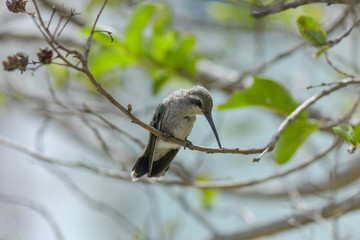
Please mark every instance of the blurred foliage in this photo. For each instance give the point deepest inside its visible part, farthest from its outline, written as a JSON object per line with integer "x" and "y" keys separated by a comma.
{"x": 231, "y": 15}
{"x": 169, "y": 228}
{"x": 208, "y": 195}
{"x": 273, "y": 96}
{"x": 96, "y": 4}
{"x": 137, "y": 236}
{"x": 237, "y": 15}
{"x": 165, "y": 53}
{"x": 60, "y": 74}
{"x": 3, "y": 98}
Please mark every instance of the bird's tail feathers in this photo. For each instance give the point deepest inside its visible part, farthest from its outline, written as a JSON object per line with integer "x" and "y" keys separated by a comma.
{"x": 141, "y": 168}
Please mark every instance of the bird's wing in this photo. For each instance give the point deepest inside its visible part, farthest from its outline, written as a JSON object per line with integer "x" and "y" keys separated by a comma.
{"x": 162, "y": 165}
{"x": 156, "y": 123}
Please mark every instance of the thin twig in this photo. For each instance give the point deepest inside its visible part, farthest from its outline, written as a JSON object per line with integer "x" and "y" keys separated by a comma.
{"x": 73, "y": 164}
{"x": 229, "y": 87}
{"x": 338, "y": 40}
{"x": 195, "y": 213}
{"x": 38, "y": 208}
{"x": 290, "y": 222}
{"x": 343, "y": 119}
{"x": 51, "y": 17}
{"x": 88, "y": 43}
{"x": 57, "y": 27}
{"x": 234, "y": 184}
{"x": 229, "y": 184}
{"x": 72, "y": 14}
{"x": 336, "y": 68}
{"x": 112, "y": 126}
{"x": 280, "y": 5}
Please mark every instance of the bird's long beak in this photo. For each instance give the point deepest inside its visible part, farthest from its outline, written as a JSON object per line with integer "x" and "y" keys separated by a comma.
{"x": 211, "y": 122}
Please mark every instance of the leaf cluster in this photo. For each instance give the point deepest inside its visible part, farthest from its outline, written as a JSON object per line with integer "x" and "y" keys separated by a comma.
{"x": 269, "y": 94}
{"x": 164, "y": 52}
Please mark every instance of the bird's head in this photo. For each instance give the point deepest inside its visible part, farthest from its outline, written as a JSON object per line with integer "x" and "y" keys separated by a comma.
{"x": 201, "y": 103}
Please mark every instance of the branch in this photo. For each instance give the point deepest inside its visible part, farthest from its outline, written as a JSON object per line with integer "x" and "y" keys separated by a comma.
{"x": 293, "y": 221}
{"x": 338, "y": 70}
{"x": 232, "y": 184}
{"x": 6, "y": 199}
{"x": 125, "y": 175}
{"x": 281, "y": 5}
{"x": 62, "y": 9}
{"x": 347, "y": 174}
{"x": 95, "y": 204}
{"x": 73, "y": 164}
{"x": 88, "y": 43}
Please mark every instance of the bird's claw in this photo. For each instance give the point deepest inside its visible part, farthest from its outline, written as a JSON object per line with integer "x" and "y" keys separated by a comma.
{"x": 188, "y": 144}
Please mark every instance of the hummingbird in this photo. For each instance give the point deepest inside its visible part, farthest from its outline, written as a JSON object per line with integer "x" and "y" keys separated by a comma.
{"x": 174, "y": 116}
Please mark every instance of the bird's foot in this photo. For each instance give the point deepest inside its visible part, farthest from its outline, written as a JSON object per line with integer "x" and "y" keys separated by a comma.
{"x": 188, "y": 144}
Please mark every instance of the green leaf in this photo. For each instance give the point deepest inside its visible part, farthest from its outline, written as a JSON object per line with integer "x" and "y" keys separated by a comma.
{"x": 346, "y": 132}
{"x": 138, "y": 21}
{"x": 180, "y": 54}
{"x": 264, "y": 93}
{"x": 162, "y": 19}
{"x": 161, "y": 45}
{"x": 311, "y": 31}
{"x": 357, "y": 134}
{"x": 292, "y": 138}
{"x": 208, "y": 195}
{"x": 159, "y": 77}
{"x": 104, "y": 60}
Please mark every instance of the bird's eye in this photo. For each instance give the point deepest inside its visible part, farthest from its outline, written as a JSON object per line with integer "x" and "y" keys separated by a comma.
{"x": 198, "y": 102}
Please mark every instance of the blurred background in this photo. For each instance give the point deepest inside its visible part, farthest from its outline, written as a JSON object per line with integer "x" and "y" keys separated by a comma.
{"x": 55, "y": 112}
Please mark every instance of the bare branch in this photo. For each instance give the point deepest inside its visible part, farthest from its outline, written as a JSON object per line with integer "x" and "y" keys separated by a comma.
{"x": 88, "y": 43}
{"x": 112, "y": 126}
{"x": 338, "y": 40}
{"x": 19, "y": 201}
{"x": 329, "y": 211}
{"x": 234, "y": 184}
{"x": 281, "y": 5}
{"x": 73, "y": 164}
{"x": 336, "y": 68}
